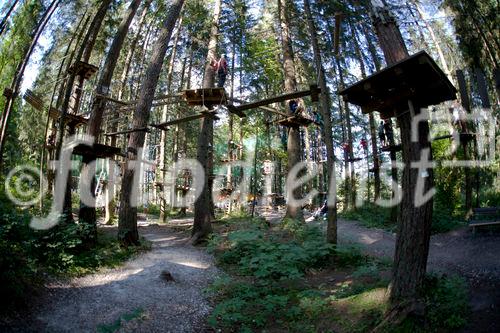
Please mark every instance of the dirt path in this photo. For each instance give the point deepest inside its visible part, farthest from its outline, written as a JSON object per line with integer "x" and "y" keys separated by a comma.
{"x": 135, "y": 292}
{"x": 475, "y": 257}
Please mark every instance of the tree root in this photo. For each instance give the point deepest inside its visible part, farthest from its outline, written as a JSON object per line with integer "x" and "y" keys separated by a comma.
{"x": 398, "y": 314}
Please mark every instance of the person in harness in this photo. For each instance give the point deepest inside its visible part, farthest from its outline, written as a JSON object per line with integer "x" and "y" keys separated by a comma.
{"x": 381, "y": 134}
{"x": 220, "y": 67}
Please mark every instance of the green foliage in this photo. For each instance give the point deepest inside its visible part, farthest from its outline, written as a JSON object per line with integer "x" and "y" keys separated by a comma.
{"x": 446, "y": 300}
{"x": 26, "y": 253}
{"x": 372, "y": 216}
{"x": 446, "y": 306}
{"x": 265, "y": 257}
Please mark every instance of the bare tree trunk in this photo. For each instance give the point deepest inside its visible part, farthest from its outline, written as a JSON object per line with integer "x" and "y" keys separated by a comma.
{"x": 19, "y": 74}
{"x": 429, "y": 28}
{"x": 465, "y": 101}
{"x": 412, "y": 241}
{"x": 3, "y": 23}
{"x": 202, "y": 225}
{"x": 394, "y": 171}
{"x": 93, "y": 32}
{"x": 326, "y": 130}
{"x": 110, "y": 208}
{"x": 87, "y": 214}
{"x": 163, "y": 134}
{"x": 373, "y": 131}
{"x": 293, "y": 145}
{"x": 127, "y": 226}
{"x": 87, "y": 42}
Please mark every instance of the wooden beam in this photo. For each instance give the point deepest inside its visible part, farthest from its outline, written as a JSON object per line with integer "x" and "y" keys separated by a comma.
{"x": 165, "y": 125}
{"x": 114, "y": 100}
{"x": 314, "y": 90}
{"x": 143, "y": 129}
{"x": 263, "y": 107}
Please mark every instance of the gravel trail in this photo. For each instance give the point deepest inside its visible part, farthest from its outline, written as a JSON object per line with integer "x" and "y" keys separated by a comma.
{"x": 135, "y": 297}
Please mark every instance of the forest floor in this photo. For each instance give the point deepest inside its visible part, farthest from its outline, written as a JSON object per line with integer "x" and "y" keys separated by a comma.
{"x": 474, "y": 257}
{"x": 135, "y": 297}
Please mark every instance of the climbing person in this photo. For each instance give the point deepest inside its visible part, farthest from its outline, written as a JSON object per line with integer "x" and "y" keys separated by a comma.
{"x": 318, "y": 119}
{"x": 381, "y": 134}
{"x": 293, "y": 105}
{"x": 364, "y": 144}
{"x": 220, "y": 67}
{"x": 389, "y": 133}
{"x": 301, "y": 108}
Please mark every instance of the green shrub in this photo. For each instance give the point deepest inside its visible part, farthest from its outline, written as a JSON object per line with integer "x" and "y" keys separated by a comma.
{"x": 268, "y": 258}
{"x": 447, "y": 302}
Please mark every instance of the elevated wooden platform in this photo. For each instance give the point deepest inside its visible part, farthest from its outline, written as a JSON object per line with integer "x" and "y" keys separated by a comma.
{"x": 97, "y": 150}
{"x": 295, "y": 121}
{"x": 417, "y": 78}
{"x": 71, "y": 119}
{"x": 84, "y": 69}
{"x": 205, "y": 96}
{"x": 395, "y": 148}
{"x": 357, "y": 159}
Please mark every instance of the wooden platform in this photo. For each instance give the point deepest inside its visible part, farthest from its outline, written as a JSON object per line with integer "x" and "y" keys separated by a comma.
{"x": 295, "y": 121}
{"x": 97, "y": 150}
{"x": 395, "y": 148}
{"x": 84, "y": 69}
{"x": 71, "y": 119}
{"x": 205, "y": 96}
{"x": 417, "y": 78}
{"x": 357, "y": 159}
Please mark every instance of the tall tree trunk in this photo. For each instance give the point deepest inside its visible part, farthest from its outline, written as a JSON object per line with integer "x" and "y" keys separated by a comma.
{"x": 202, "y": 225}
{"x": 3, "y": 23}
{"x": 87, "y": 214}
{"x": 394, "y": 171}
{"x": 93, "y": 32}
{"x": 373, "y": 127}
{"x": 127, "y": 226}
{"x": 412, "y": 241}
{"x": 465, "y": 101}
{"x": 110, "y": 208}
{"x": 86, "y": 43}
{"x": 163, "y": 134}
{"x": 19, "y": 74}
{"x": 325, "y": 106}
{"x": 293, "y": 145}
{"x": 437, "y": 45}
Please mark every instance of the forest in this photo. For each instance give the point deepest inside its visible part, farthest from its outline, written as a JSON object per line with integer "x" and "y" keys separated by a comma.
{"x": 249, "y": 166}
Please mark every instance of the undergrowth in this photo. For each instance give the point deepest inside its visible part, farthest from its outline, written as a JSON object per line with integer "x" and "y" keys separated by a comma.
{"x": 28, "y": 256}
{"x": 268, "y": 284}
{"x": 373, "y": 216}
